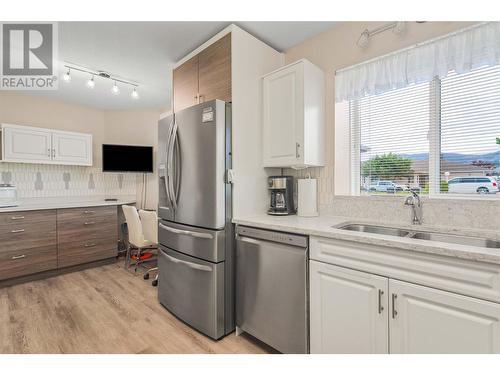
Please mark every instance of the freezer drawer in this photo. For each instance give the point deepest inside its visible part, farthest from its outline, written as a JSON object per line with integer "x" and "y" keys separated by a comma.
{"x": 201, "y": 243}
{"x": 271, "y": 289}
{"x": 193, "y": 290}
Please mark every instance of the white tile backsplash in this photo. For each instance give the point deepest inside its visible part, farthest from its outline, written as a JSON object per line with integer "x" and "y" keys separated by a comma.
{"x": 44, "y": 181}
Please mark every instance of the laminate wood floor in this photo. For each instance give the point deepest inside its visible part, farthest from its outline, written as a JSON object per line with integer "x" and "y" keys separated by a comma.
{"x": 101, "y": 310}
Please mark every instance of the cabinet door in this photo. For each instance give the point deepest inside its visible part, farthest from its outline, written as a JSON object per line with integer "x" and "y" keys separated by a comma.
{"x": 284, "y": 117}
{"x": 72, "y": 148}
{"x": 185, "y": 83}
{"x": 28, "y": 145}
{"x": 427, "y": 320}
{"x": 349, "y": 310}
{"x": 215, "y": 71}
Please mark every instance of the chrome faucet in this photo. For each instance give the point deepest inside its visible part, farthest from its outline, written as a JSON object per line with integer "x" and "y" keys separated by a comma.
{"x": 416, "y": 207}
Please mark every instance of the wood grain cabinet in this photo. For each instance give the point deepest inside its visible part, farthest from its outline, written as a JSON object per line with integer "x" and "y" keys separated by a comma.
{"x": 28, "y": 243}
{"x": 204, "y": 77}
{"x": 86, "y": 234}
{"x": 32, "y": 242}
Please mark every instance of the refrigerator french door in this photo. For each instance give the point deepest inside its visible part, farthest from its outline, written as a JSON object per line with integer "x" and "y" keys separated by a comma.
{"x": 195, "y": 231}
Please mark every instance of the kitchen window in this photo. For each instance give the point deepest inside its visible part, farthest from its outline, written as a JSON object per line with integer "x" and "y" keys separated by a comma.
{"x": 441, "y": 137}
{"x": 422, "y": 119}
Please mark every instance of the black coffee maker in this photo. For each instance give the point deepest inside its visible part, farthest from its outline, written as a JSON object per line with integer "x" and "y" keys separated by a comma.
{"x": 281, "y": 188}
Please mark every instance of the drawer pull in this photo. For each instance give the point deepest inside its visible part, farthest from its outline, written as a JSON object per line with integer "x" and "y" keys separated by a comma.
{"x": 17, "y": 231}
{"x": 15, "y": 257}
{"x": 88, "y": 212}
{"x": 90, "y": 244}
{"x": 17, "y": 218}
{"x": 89, "y": 223}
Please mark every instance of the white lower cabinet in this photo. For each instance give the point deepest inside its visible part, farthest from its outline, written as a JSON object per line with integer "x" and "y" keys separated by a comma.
{"x": 359, "y": 312}
{"x": 349, "y": 310}
{"x": 427, "y": 320}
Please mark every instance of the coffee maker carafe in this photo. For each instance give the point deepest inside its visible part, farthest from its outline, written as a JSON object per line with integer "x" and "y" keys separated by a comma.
{"x": 281, "y": 188}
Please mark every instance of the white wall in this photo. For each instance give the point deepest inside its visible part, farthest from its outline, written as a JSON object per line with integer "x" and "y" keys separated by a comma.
{"x": 251, "y": 59}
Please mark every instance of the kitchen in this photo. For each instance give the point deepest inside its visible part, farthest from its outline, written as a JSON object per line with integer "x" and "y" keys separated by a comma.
{"x": 260, "y": 165}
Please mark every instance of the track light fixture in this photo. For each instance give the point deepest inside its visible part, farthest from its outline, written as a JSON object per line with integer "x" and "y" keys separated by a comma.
{"x": 67, "y": 76}
{"x": 91, "y": 83}
{"x": 397, "y": 28}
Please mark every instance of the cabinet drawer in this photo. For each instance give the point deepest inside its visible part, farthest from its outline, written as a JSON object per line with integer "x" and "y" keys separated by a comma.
{"x": 27, "y": 235}
{"x": 24, "y": 262}
{"x": 23, "y": 217}
{"x": 87, "y": 229}
{"x": 83, "y": 213}
{"x": 81, "y": 251}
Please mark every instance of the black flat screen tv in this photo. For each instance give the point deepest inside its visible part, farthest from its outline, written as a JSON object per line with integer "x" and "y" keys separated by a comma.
{"x": 126, "y": 158}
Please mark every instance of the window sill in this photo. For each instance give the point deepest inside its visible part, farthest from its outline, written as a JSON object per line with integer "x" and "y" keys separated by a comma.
{"x": 434, "y": 197}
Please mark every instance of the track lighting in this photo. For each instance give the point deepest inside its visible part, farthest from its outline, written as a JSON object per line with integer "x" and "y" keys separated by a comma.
{"x": 115, "y": 89}
{"x": 91, "y": 83}
{"x": 397, "y": 28}
{"x": 100, "y": 74}
{"x": 67, "y": 76}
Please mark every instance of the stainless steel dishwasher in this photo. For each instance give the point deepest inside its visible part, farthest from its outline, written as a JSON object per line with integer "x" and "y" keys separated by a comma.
{"x": 272, "y": 288}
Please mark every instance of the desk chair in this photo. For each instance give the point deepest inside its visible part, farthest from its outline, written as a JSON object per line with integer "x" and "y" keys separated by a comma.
{"x": 137, "y": 241}
{"x": 149, "y": 221}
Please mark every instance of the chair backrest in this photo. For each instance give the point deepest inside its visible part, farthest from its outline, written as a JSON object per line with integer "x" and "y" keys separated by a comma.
{"x": 135, "y": 234}
{"x": 149, "y": 221}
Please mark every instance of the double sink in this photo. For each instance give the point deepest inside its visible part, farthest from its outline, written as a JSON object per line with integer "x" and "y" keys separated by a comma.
{"x": 422, "y": 235}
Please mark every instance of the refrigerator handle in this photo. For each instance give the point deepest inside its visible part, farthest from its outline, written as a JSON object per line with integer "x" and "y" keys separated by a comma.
{"x": 168, "y": 177}
{"x": 171, "y": 187}
{"x": 178, "y": 166}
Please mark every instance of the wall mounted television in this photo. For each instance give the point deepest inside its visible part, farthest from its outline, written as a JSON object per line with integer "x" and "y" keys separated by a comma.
{"x": 127, "y": 158}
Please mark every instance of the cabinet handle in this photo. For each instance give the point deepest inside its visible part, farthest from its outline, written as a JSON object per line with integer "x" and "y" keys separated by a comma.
{"x": 17, "y": 231}
{"x": 53, "y": 152}
{"x": 297, "y": 153}
{"x": 15, "y": 257}
{"x": 196, "y": 99}
{"x": 380, "y": 307}
{"x": 394, "y": 311}
{"x": 89, "y": 244}
{"x": 89, "y": 223}
{"x": 199, "y": 99}
{"x": 49, "y": 152}
{"x": 88, "y": 212}
{"x": 17, "y": 217}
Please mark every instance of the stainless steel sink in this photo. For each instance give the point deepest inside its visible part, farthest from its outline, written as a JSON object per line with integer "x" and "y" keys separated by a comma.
{"x": 376, "y": 229}
{"x": 461, "y": 240}
{"x": 420, "y": 235}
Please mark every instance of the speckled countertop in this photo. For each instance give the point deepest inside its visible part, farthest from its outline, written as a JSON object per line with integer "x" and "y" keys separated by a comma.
{"x": 327, "y": 226}
{"x": 71, "y": 202}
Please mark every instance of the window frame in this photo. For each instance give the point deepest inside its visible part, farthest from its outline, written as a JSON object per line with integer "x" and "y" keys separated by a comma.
{"x": 434, "y": 150}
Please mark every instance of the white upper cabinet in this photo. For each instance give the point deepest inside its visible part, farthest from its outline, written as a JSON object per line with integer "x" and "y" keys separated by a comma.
{"x": 349, "y": 311}
{"x": 72, "y": 148}
{"x": 24, "y": 144}
{"x": 294, "y": 116}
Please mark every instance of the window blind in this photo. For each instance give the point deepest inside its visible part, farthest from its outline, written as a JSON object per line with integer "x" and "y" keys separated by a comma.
{"x": 470, "y": 127}
{"x": 390, "y": 142}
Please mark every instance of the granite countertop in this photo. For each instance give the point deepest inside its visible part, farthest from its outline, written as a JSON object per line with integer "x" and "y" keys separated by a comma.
{"x": 327, "y": 226}
{"x": 73, "y": 202}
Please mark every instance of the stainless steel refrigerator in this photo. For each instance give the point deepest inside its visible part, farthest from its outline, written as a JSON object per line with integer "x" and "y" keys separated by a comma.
{"x": 196, "y": 262}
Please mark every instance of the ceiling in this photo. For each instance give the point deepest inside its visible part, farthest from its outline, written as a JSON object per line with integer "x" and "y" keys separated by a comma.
{"x": 144, "y": 52}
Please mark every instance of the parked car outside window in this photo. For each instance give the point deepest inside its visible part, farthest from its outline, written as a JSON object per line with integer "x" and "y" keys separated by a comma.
{"x": 473, "y": 185}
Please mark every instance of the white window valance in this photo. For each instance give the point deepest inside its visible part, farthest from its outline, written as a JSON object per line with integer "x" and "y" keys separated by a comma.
{"x": 461, "y": 51}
